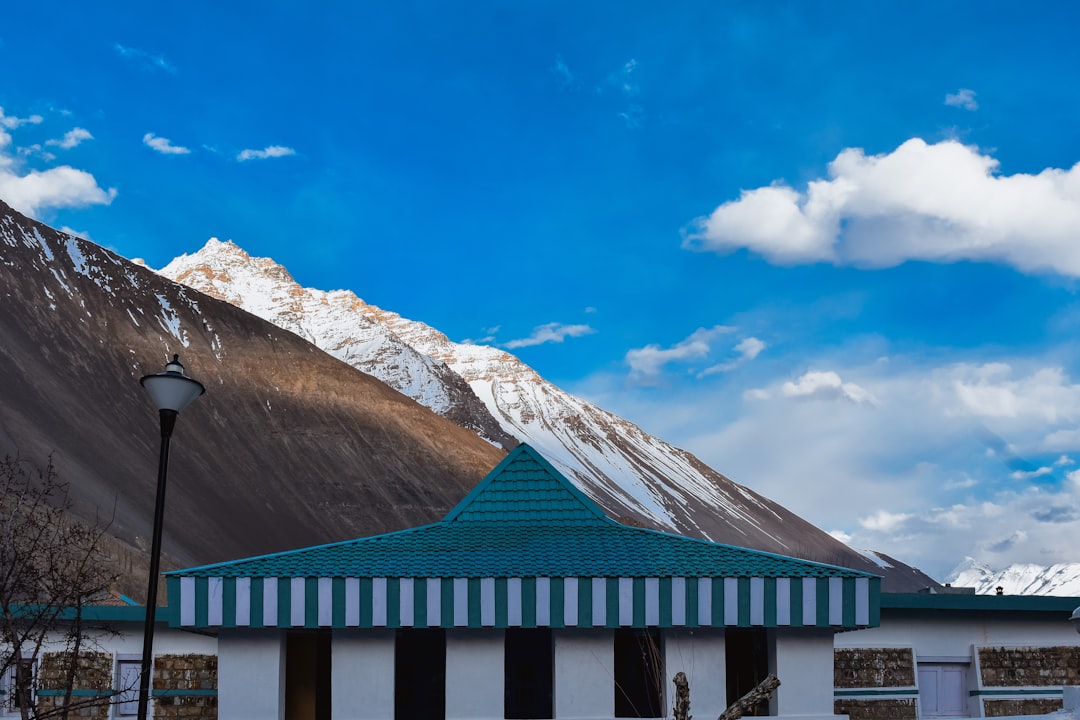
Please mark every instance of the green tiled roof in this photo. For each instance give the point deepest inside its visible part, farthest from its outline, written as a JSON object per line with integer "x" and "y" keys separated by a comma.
{"x": 523, "y": 520}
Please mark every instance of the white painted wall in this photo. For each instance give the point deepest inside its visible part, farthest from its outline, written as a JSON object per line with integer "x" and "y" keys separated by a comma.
{"x": 251, "y": 674}
{"x": 474, "y": 675}
{"x": 803, "y": 662}
{"x": 700, "y": 654}
{"x": 362, "y": 686}
{"x": 584, "y": 674}
{"x": 952, "y": 634}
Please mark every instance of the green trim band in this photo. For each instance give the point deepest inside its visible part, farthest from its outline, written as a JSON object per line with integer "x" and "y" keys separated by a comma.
{"x": 196, "y": 692}
{"x": 1007, "y": 693}
{"x": 48, "y": 692}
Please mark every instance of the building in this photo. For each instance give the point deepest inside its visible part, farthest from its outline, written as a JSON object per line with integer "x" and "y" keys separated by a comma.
{"x": 525, "y": 601}
{"x": 184, "y": 675}
{"x": 959, "y": 655}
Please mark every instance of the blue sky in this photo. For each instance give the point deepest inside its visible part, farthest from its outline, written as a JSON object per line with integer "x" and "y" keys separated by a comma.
{"x": 829, "y": 247}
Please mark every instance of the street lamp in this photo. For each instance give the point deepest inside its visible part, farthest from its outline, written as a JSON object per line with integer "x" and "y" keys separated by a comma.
{"x": 1075, "y": 619}
{"x": 171, "y": 391}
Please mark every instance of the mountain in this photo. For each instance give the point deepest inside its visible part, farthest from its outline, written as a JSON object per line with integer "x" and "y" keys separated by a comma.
{"x": 636, "y": 477}
{"x": 1062, "y": 579}
{"x": 288, "y": 447}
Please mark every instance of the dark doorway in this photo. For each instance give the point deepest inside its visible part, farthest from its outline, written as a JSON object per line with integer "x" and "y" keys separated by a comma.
{"x": 420, "y": 674}
{"x": 529, "y": 670}
{"x": 307, "y": 676}
{"x": 639, "y": 674}
{"x": 747, "y": 665}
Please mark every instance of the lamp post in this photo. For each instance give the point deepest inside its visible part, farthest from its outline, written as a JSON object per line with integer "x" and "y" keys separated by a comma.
{"x": 171, "y": 391}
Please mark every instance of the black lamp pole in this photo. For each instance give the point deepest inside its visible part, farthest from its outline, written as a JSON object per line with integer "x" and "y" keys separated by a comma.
{"x": 171, "y": 391}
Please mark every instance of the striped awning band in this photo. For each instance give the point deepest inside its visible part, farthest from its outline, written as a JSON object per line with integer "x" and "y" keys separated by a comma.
{"x": 313, "y": 602}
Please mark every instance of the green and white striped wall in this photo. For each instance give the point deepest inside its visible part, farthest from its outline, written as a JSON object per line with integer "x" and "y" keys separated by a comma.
{"x": 364, "y": 602}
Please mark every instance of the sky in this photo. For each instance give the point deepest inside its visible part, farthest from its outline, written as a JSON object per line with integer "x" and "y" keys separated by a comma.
{"x": 831, "y": 248}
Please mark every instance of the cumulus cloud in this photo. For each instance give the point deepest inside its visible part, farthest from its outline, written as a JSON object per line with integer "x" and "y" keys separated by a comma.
{"x": 273, "y": 151}
{"x": 651, "y": 359}
{"x": 71, "y": 138}
{"x": 32, "y": 192}
{"x": 962, "y": 98}
{"x": 163, "y": 145}
{"x": 550, "y": 333}
{"x": 826, "y": 384}
{"x": 942, "y": 202}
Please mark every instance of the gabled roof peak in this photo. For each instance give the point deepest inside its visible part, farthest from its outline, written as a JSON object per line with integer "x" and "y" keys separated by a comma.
{"x": 525, "y": 489}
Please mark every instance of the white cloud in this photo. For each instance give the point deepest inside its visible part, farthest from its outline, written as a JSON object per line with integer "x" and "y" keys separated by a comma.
{"x": 11, "y": 122}
{"x": 53, "y": 188}
{"x": 1030, "y": 474}
{"x": 827, "y": 384}
{"x": 563, "y": 72}
{"x": 651, "y": 359}
{"x": 940, "y": 203}
{"x": 551, "y": 332}
{"x": 273, "y": 151}
{"x": 145, "y": 59}
{"x": 71, "y": 138}
{"x": 962, "y": 98}
{"x": 163, "y": 145}
{"x": 747, "y": 349}
{"x": 884, "y": 521}
{"x": 38, "y": 190}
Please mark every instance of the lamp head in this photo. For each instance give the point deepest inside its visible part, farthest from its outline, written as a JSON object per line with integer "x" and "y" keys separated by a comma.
{"x": 1075, "y": 619}
{"x": 172, "y": 390}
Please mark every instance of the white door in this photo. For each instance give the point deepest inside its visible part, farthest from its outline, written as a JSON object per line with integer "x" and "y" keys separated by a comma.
{"x": 943, "y": 690}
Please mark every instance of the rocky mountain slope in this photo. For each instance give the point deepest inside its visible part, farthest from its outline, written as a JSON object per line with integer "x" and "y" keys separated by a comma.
{"x": 1062, "y": 579}
{"x": 633, "y": 475}
{"x": 289, "y": 446}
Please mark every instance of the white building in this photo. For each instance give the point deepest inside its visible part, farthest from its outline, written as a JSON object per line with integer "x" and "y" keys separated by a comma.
{"x": 526, "y": 601}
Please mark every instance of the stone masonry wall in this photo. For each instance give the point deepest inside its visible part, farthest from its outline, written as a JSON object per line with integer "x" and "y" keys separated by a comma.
{"x": 873, "y": 667}
{"x": 895, "y": 709}
{"x": 186, "y": 673}
{"x": 1025, "y": 706}
{"x": 1029, "y": 666}
{"x": 93, "y": 672}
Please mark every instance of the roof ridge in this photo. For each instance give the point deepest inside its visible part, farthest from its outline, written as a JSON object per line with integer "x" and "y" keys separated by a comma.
{"x": 526, "y": 488}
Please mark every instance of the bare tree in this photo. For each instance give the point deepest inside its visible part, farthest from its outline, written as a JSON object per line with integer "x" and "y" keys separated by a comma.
{"x": 51, "y": 567}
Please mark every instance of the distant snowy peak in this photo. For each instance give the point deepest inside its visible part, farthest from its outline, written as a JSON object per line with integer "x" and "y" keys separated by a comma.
{"x": 1062, "y": 579}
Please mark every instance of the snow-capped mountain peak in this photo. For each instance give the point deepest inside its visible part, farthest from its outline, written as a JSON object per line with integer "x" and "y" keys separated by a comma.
{"x": 1018, "y": 579}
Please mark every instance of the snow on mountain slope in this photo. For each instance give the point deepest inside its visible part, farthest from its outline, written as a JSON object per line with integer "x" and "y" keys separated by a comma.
{"x": 1062, "y": 579}
{"x": 632, "y": 474}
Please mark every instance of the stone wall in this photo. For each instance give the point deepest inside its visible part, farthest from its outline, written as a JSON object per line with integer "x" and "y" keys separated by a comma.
{"x": 884, "y": 709}
{"x": 185, "y": 686}
{"x": 873, "y": 667}
{"x": 1029, "y": 666}
{"x": 1023, "y": 706}
{"x": 93, "y": 676}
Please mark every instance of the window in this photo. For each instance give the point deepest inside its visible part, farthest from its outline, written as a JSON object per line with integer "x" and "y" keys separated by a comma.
{"x": 14, "y": 700}
{"x": 420, "y": 674}
{"x": 639, "y": 674}
{"x": 529, "y": 660}
{"x": 128, "y": 670}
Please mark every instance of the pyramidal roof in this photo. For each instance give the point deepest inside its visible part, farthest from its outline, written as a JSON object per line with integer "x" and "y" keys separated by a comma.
{"x": 524, "y": 519}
